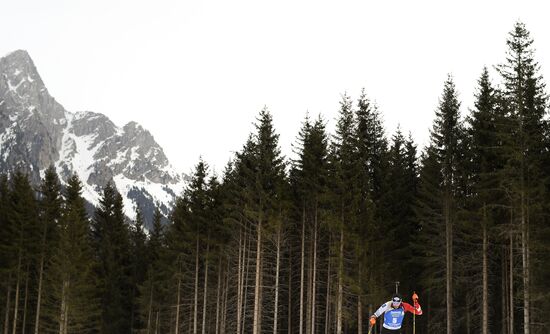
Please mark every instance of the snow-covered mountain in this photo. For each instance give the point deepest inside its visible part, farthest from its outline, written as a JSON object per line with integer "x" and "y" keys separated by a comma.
{"x": 36, "y": 132}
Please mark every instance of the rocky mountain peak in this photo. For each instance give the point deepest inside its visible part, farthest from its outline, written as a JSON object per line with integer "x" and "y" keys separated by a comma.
{"x": 20, "y": 80}
{"x": 36, "y": 132}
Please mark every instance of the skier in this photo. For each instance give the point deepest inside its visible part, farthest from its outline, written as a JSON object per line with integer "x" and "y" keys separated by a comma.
{"x": 394, "y": 313}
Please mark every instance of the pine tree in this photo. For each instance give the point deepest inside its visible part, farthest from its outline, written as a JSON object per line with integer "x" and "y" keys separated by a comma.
{"x": 372, "y": 146}
{"x": 525, "y": 95}
{"x": 51, "y": 206}
{"x": 484, "y": 206}
{"x": 152, "y": 290}
{"x": 373, "y": 223}
{"x": 398, "y": 201}
{"x": 310, "y": 183}
{"x": 344, "y": 193}
{"x": 71, "y": 302}
{"x": 23, "y": 246}
{"x": 138, "y": 266}
{"x": 6, "y": 256}
{"x": 267, "y": 191}
{"x": 111, "y": 242}
{"x": 439, "y": 203}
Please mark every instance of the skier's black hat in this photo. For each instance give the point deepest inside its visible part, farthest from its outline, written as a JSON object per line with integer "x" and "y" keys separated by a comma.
{"x": 397, "y": 298}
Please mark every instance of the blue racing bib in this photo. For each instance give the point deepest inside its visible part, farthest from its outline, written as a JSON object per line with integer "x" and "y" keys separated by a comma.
{"x": 394, "y": 318}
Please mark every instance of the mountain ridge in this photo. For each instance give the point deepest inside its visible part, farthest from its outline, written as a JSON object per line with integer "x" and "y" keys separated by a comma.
{"x": 36, "y": 131}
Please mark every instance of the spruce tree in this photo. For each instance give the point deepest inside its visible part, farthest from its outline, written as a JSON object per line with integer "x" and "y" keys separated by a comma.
{"x": 439, "y": 204}
{"x": 484, "y": 206}
{"x": 111, "y": 242}
{"x": 398, "y": 201}
{"x": 267, "y": 192}
{"x": 152, "y": 290}
{"x": 6, "y": 256}
{"x": 345, "y": 195}
{"x": 138, "y": 266}
{"x": 50, "y": 215}
{"x": 373, "y": 222}
{"x": 71, "y": 302}
{"x": 23, "y": 246}
{"x": 309, "y": 175}
{"x": 524, "y": 92}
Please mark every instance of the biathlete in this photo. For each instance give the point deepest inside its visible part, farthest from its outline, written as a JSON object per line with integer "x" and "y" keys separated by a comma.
{"x": 394, "y": 313}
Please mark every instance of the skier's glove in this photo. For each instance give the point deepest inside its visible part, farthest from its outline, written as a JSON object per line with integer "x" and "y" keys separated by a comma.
{"x": 415, "y": 297}
{"x": 373, "y": 320}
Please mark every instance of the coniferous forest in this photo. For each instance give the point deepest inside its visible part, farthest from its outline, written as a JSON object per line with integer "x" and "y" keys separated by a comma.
{"x": 312, "y": 244}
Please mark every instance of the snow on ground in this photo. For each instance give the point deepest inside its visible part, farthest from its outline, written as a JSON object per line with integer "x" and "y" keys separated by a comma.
{"x": 124, "y": 186}
{"x": 78, "y": 154}
{"x": 157, "y": 192}
{"x": 5, "y": 137}
{"x": 13, "y": 88}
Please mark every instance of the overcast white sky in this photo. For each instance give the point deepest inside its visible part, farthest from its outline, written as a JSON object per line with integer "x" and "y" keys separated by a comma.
{"x": 196, "y": 73}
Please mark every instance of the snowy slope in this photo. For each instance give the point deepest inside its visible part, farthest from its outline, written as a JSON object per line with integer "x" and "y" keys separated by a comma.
{"x": 37, "y": 132}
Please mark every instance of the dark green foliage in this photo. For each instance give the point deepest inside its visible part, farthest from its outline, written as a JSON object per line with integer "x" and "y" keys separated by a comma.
{"x": 71, "y": 282}
{"x": 438, "y": 206}
{"x": 525, "y": 175}
{"x": 112, "y": 246}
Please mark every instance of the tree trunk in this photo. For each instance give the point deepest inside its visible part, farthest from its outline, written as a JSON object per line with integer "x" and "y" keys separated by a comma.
{"x": 257, "y": 324}
{"x": 504, "y": 290}
{"x": 302, "y": 272}
{"x": 468, "y": 319}
{"x": 289, "y": 315}
{"x": 157, "y": 323}
{"x": 67, "y": 307}
{"x": 240, "y": 277}
{"x": 449, "y": 264}
{"x": 196, "y": 299}
{"x": 62, "y": 313}
{"x": 178, "y": 302}
{"x": 359, "y": 315}
{"x": 511, "y": 283}
{"x": 309, "y": 286}
{"x": 314, "y": 278}
{"x": 39, "y": 297}
{"x": 218, "y": 292}
{"x": 525, "y": 265}
{"x": 16, "y": 304}
{"x": 485, "y": 312}
{"x": 327, "y": 306}
{"x": 205, "y": 294}
{"x": 39, "y": 300}
{"x": 245, "y": 285}
{"x": 26, "y": 299}
{"x": 226, "y": 293}
{"x": 150, "y": 311}
{"x": 8, "y": 300}
{"x": 277, "y": 266}
{"x": 339, "y": 311}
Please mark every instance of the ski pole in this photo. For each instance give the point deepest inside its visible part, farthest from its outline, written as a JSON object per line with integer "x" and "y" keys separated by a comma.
{"x": 414, "y": 322}
{"x": 415, "y": 298}
{"x": 371, "y": 324}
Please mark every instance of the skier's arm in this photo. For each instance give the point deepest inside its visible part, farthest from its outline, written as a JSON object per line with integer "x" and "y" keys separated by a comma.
{"x": 416, "y": 309}
{"x": 381, "y": 310}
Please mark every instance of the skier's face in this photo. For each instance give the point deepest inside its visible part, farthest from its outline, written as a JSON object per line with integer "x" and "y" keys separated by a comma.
{"x": 396, "y": 302}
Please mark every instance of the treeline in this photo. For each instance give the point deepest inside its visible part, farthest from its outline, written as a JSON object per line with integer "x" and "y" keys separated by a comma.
{"x": 314, "y": 244}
